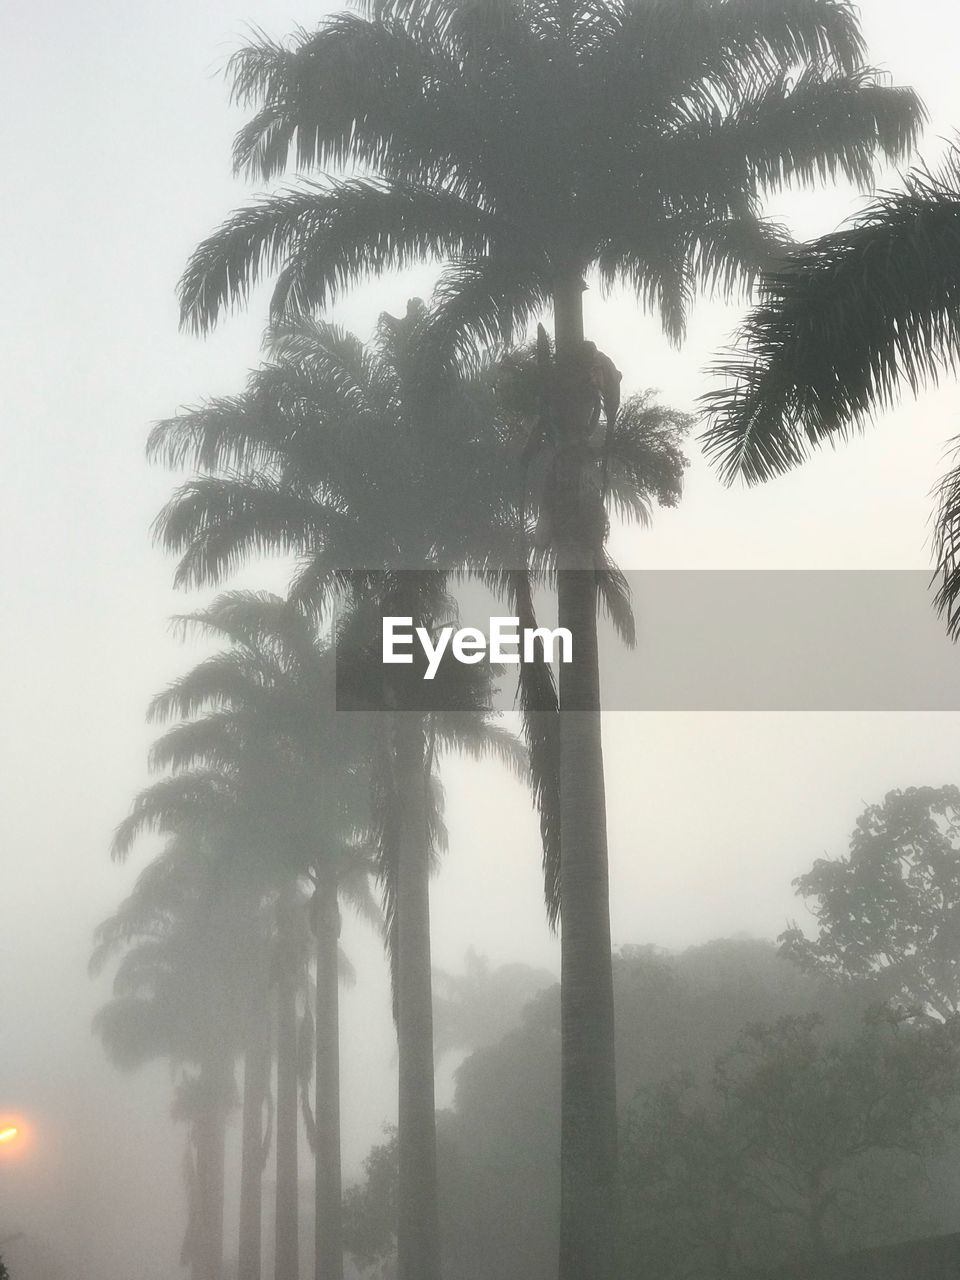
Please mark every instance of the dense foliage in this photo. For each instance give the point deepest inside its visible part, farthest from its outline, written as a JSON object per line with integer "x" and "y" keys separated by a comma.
{"x": 763, "y": 1112}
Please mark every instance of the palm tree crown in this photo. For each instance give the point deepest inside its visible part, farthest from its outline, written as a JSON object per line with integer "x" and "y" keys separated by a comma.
{"x": 522, "y": 142}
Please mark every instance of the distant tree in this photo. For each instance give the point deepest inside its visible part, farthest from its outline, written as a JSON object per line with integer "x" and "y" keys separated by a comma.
{"x": 177, "y": 994}
{"x": 331, "y": 454}
{"x": 370, "y": 1210}
{"x": 480, "y": 1005}
{"x": 820, "y": 1114}
{"x": 804, "y": 1145}
{"x": 889, "y": 909}
{"x": 226, "y": 797}
{"x": 686, "y": 1206}
{"x": 268, "y": 695}
{"x": 499, "y": 1145}
{"x": 4, "y": 1273}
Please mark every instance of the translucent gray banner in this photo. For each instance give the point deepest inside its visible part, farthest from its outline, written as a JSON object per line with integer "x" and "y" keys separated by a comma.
{"x": 730, "y": 641}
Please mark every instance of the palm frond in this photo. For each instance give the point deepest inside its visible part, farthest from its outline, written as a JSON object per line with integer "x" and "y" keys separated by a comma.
{"x": 613, "y": 592}
{"x": 220, "y": 681}
{"x": 170, "y": 804}
{"x": 355, "y": 94}
{"x": 217, "y": 523}
{"x": 645, "y": 462}
{"x": 728, "y": 255}
{"x": 270, "y": 634}
{"x": 321, "y": 238}
{"x": 946, "y": 541}
{"x": 210, "y": 742}
{"x": 704, "y": 50}
{"x": 465, "y": 733}
{"x": 853, "y": 317}
{"x": 220, "y": 434}
{"x": 540, "y": 715}
{"x": 817, "y": 128}
{"x": 481, "y": 304}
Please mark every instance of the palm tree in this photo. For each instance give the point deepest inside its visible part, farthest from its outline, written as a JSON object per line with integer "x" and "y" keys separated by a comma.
{"x": 271, "y": 689}
{"x": 527, "y": 144}
{"x": 842, "y": 326}
{"x": 332, "y": 453}
{"x": 177, "y": 994}
{"x": 201, "y": 807}
{"x": 231, "y": 806}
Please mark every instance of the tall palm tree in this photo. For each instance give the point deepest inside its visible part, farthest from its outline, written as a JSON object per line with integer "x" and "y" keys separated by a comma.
{"x": 177, "y": 994}
{"x": 212, "y": 797}
{"x": 203, "y": 807}
{"x": 526, "y": 144}
{"x": 848, "y": 321}
{"x": 332, "y": 453}
{"x": 272, "y": 689}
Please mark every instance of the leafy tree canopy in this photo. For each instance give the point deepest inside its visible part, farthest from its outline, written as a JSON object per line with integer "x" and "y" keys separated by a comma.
{"x": 805, "y": 1145}
{"x": 890, "y": 907}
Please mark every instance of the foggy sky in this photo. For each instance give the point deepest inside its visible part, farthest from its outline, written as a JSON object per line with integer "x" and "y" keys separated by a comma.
{"x": 116, "y": 156}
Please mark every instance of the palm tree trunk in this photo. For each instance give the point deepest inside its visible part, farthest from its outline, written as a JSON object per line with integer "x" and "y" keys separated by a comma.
{"x": 418, "y": 1245}
{"x": 211, "y": 1137}
{"x": 256, "y": 1071}
{"x": 588, "y": 1127}
{"x": 287, "y": 1259}
{"x": 328, "y": 1248}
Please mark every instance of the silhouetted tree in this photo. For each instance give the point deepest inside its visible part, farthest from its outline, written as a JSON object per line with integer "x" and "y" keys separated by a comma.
{"x": 333, "y": 454}
{"x": 177, "y": 995}
{"x": 890, "y": 908}
{"x": 477, "y": 1007}
{"x": 499, "y": 1145}
{"x": 804, "y": 1144}
{"x": 528, "y": 145}
{"x": 269, "y": 696}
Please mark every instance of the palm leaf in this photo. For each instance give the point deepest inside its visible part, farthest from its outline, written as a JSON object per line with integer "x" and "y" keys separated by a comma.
{"x": 853, "y": 317}
{"x": 321, "y": 238}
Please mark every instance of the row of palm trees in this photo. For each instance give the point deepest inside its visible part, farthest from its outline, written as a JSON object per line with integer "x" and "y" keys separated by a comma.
{"x": 525, "y": 145}
{"x": 296, "y": 796}
{"x": 258, "y": 854}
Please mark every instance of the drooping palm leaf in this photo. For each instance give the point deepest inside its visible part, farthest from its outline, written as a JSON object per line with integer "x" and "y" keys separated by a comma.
{"x": 851, "y": 319}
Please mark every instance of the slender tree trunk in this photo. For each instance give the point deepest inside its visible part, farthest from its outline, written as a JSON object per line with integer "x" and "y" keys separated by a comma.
{"x": 588, "y": 1137}
{"x": 287, "y": 1260}
{"x": 256, "y": 1074}
{"x": 816, "y": 1220}
{"x": 418, "y": 1245}
{"x": 211, "y": 1137}
{"x": 328, "y": 1250}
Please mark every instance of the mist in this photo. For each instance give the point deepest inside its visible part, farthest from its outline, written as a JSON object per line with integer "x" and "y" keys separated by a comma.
{"x": 118, "y": 162}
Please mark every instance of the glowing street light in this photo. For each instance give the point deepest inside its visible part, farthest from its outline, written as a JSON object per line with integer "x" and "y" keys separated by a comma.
{"x": 13, "y": 1137}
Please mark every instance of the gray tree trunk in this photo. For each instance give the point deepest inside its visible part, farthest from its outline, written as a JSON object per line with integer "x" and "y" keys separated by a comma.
{"x": 418, "y": 1245}
{"x": 211, "y": 1136}
{"x": 328, "y": 1253}
{"x": 287, "y": 1258}
{"x": 256, "y": 1075}
{"x": 588, "y": 1137}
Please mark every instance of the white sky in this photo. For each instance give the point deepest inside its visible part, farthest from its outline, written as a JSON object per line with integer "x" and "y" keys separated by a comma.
{"x": 115, "y": 146}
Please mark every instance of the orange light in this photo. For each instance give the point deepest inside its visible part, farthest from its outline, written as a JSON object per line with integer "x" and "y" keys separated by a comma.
{"x": 13, "y": 1137}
